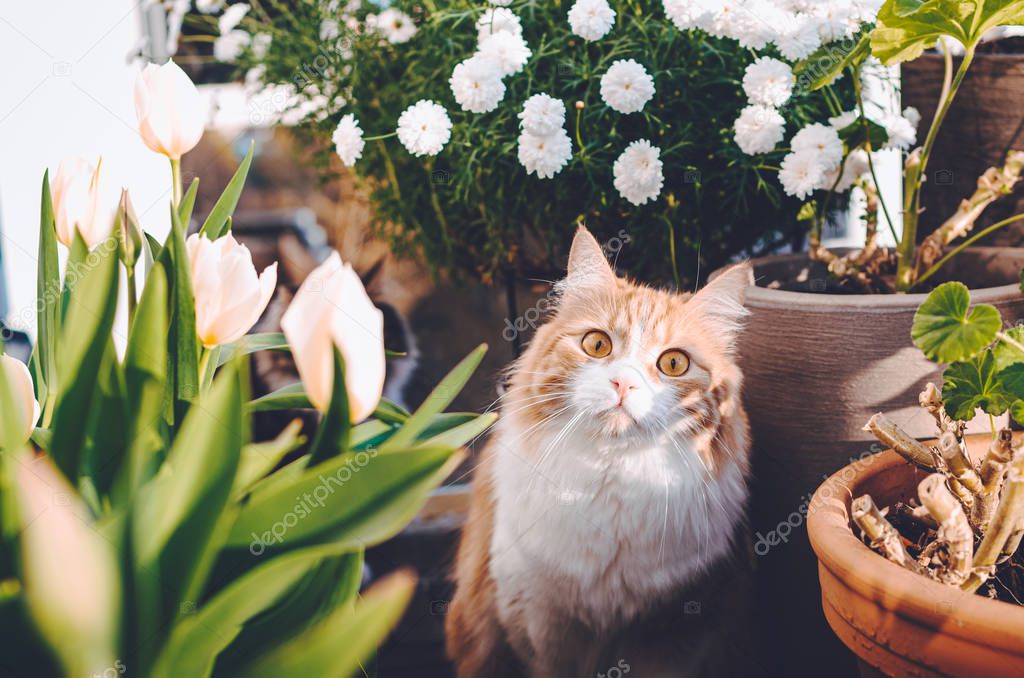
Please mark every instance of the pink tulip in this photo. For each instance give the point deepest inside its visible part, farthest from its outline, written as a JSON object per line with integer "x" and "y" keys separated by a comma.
{"x": 170, "y": 110}
{"x": 76, "y": 202}
{"x": 19, "y": 381}
{"x": 230, "y": 297}
{"x": 331, "y": 308}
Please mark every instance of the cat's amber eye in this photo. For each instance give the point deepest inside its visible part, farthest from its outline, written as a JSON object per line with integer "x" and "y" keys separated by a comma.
{"x": 596, "y": 344}
{"x": 674, "y": 363}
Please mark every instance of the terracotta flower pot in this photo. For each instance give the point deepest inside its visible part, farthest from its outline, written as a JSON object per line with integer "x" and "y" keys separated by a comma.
{"x": 816, "y": 367}
{"x": 895, "y": 621}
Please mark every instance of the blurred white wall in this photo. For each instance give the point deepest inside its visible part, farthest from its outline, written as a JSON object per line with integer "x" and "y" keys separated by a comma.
{"x": 66, "y": 89}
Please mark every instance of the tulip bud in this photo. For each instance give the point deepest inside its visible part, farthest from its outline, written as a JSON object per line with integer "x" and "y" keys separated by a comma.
{"x": 129, "y": 231}
{"x": 230, "y": 297}
{"x": 76, "y": 202}
{"x": 331, "y": 308}
{"x": 19, "y": 381}
{"x": 170, "y": 110}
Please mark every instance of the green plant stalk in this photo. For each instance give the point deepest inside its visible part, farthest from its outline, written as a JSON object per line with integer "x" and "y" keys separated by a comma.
{"x": 204, "y": 364}
{"x": 176, "y": 181}
{"x": 855, "y": 76}
{"x": 956, "y": 250}
{"x": 132, "y": 292}
{"x": 912, "y": 183}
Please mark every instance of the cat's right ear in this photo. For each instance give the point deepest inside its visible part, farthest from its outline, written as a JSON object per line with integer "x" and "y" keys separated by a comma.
{"x": 588, "y": 268}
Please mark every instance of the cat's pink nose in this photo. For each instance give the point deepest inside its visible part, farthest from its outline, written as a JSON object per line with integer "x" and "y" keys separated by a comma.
{"x": 623, "y": 385}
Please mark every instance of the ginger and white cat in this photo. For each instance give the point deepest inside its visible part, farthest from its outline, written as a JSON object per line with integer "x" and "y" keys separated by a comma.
{"x": 606, "y": 525}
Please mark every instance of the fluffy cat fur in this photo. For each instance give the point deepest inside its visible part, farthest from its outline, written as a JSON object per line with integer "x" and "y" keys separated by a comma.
{"x": 606, "y": 522}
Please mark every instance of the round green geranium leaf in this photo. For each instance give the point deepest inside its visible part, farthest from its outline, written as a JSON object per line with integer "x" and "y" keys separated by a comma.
{"x": 948, "y": 330}
{"x": 972, "y": 385}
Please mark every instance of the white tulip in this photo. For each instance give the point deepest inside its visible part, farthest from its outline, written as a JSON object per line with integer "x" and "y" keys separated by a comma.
{"x": 331, "y": 308}
{"x": 75, "y": 188}
{"x": 19, "y": 381}
{"x": 230, "y": 297}
{"x": 170, "y": 110}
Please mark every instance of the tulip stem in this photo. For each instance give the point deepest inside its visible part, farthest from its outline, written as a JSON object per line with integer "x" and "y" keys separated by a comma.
{"x": 204, "y": 364}
{"x": 176, "y": 181}
{"x": 132, "y": 298}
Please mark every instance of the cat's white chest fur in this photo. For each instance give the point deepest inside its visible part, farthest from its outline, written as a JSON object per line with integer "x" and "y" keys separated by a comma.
{"x": 601, "y": 534}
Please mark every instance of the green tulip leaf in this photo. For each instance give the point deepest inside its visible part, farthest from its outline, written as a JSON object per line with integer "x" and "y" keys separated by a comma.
{"x": 459, "y": 435}
{"x": 188, "y": 203}
{"x": 218, "y": 223}
{"x": 335, "y": 426}
{"x": 47, "y": 297}
{"x": 361, "y": 628}
{"x": 183, "y": 343}
{"x": 905, "y": 28}
{"x": 974, "y": 384}
{"x": 250, "y": 343}
{"x": 947, "y": 330}
{"x": 259, "y": 459}
{"x": 290, "y": 397}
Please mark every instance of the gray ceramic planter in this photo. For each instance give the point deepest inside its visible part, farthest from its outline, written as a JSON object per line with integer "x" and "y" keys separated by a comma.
{"x": 816, "y": 367}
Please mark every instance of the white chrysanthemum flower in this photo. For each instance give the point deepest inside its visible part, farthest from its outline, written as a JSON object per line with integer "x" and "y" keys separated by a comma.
{"x": 638, "y": 176}
{"x": 802, "y": 173}
{"x": 348, "y": 140}
{"x": 687, "y": 14}
{"x": 768, "y": 82}
{"x": 261, "y": 45}
{"x": 626, "y": 86}
{"x": 759, "y": 129}
{"x": 798, "y": 37}
{"x": 743, "y": 22}
{"x": 476, "y": 84}
{"x": 836, "y": 20}
{"x": 497, "y": 20}
{"x": 424, "y": 128}
{"x": 209, "y": 6}
{"x": 507, "y": 49}
{"x": 544, "y": 155}
{"x": 501, "y": 3}
{"x": 819, "y": 139}
{"x": 591, "y": 19}
{"x": 843, "y": 120}
{"x": 542, "y": 115}
{"x": 866, "y": 11}
{"x": 912, "y": 115}
{"x": 329, "y": 29}
{"x": 902, "y": 132}
{"x": 231, "y": 17}
{"x": 397, "y": 26}
{"x": 229, "y": 46}
{"x": 854, "y": 166}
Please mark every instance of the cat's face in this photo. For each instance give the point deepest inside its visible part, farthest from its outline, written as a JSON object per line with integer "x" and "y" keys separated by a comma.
{"x": 627, "y": 363}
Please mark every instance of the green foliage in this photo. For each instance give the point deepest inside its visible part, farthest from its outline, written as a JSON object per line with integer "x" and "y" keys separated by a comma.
{"x": 473, "y": 209}
{"x": 191, "y": 533}
{"x": 974, "y": 384}
{"x": 908, "y": 27}
{"x": 947, "y": 330}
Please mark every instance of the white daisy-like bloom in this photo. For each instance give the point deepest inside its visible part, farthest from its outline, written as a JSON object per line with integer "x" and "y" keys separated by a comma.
{"x": 626, "y": 86}
{"x": 843, "y": 120}
{"x": 866, "y": 11}
{"x": 229, "y": 46}
{"x": 546, "y": 154}
{"x": 424, "y": 128}
{"x": 329, "y": 30}
{"x": 396, "y": 26}
{"x": 591, "y": 19}
{"x": 902, "y": 132}
{"x": 797, "y": 38}
{"x": 501, "y": 3}
{"x": 912, "y": 115}
{"x": 209, "y": 6}
{"x": 261, "y": 45}
{"x": 476, "y": 84}
{"x": 819, "y": 139}
{"x": 497, "y": 20}
{"x": 637, "y": 171}
{"x": 836, "y": 20}
{"x": 854, "y": 166}
{"x": 348, "y": 140}
{"x": 768, "y": 82}
{"x": 542, "y": 115}
{"x": 801, "y": 173}
{"x": 741, "y": 22}
{"x": 687, "y": 14}
{"x": 231, "y": 17}
{"x": 759, "y": 129}
{"x": 507, "y": 49}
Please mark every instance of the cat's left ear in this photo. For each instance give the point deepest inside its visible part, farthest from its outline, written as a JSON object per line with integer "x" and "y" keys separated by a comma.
{"x": 720, "y": 303}
{"x": 588, "y": 268}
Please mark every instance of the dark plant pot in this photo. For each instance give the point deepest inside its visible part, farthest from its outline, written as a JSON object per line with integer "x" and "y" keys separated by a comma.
{"x": 985, "y": 121}
{"x": 899, "y": 623}
{"x": 816, "y": 367}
